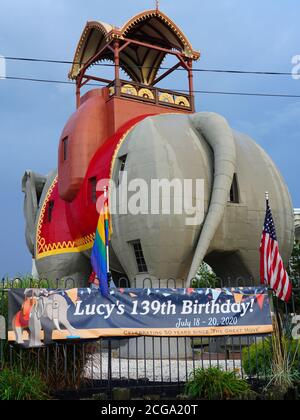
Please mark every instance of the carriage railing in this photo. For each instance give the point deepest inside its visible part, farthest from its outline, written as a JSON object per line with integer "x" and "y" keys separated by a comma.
{"x": 151, "y": 95}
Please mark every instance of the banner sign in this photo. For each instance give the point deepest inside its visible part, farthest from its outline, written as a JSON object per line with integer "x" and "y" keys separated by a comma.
{"x": 38, "y": 316}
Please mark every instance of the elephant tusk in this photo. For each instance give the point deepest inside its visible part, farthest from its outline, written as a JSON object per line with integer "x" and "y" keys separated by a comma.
{"x": 56, "y": 323}
{"x": 219, "y": 136}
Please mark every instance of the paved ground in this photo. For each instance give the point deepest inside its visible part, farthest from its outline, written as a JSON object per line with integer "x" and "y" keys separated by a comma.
{"x": 153, "y": 370}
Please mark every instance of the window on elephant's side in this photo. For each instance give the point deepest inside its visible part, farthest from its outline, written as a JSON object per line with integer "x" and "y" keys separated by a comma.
{"x": 50, "y": 210}
{"x": 234, "y": 191}
{"x": 122, "y": 166}
{"x": 139, "y": 256}
{"x": 92, "y": 190}
{"x": 65, "y": 144}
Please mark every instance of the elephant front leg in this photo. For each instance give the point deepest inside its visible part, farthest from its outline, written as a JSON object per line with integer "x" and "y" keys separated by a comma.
{"x": 35, "y": 328}
{"x": 19, "y": 335}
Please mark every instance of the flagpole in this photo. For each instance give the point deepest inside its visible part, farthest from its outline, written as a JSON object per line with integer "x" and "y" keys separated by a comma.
{"x": 106, "y": 239}
{"x": 267, "y": 202}
{"x": 277, "y": 330}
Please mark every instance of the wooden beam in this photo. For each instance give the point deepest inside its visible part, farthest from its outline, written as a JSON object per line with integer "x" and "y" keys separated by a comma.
{"x": 97, "y": 79}
{"x": 164, "y": 75}
{"x": 155, "y": 47}
{"x": 191, "y": 84}
{"x": 117, "y": 67}
{"x": 124, "y": 46}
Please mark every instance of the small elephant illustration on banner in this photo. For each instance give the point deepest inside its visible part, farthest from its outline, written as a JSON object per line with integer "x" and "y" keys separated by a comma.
{"x": 42, "y": 310}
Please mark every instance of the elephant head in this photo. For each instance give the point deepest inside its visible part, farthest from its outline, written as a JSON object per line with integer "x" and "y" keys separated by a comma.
{"x": 51, "y": 307}
{"x": 55, "y": 308}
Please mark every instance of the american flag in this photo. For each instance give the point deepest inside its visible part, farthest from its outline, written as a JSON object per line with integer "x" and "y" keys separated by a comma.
{"x": 272, "y": 271}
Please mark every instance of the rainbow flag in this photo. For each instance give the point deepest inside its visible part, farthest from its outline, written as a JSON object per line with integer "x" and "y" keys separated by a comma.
{"x": 99, "y": 257}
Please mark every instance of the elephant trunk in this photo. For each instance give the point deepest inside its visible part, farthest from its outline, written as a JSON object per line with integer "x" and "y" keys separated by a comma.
{"x": 218, "y": 135}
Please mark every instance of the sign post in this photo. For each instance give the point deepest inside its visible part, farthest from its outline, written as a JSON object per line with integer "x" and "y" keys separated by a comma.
{"x": 2, "y": 328}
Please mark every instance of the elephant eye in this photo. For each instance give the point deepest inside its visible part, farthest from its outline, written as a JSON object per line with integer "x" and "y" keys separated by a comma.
{"x": 55, "y": 305}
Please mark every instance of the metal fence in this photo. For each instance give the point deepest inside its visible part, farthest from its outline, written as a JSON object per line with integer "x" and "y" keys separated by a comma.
{"x": 143, "y": 365}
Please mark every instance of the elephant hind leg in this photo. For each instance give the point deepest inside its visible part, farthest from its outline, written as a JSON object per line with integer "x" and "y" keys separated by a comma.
{"x": 18, "y": 331}
{"x": 231, "y": 268}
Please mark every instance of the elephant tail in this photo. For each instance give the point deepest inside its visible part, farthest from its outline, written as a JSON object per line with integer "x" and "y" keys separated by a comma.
{"x": 32, "y": 186}
{"x": 219, "y": 136}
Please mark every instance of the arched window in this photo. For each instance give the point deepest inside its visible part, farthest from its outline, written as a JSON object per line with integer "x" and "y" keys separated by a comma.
{"x": 234, "y": 191}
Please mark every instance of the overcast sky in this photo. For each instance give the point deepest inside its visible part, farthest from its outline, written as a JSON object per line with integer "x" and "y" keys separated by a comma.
{"x": 231, "y": 34}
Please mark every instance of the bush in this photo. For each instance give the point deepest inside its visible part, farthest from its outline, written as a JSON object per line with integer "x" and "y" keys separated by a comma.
{"x": 205, "y": 278}
{"x": 257, "y": 359}
{"x": 294, "y": 265}
{"x": 215, "y": 384}
{"x": 15, "y": 385}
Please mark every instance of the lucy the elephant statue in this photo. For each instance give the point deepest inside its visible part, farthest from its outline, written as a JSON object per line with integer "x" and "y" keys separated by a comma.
{"x": 236, "y": 172}
{"x": 42, "y": 310}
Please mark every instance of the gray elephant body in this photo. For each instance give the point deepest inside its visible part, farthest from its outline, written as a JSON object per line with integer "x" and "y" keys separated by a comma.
{"x": 49, "y": 313}
{"x": 201, "y": 146}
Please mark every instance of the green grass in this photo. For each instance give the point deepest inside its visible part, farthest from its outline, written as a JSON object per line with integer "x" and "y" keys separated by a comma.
{"x": 16, "y": 385}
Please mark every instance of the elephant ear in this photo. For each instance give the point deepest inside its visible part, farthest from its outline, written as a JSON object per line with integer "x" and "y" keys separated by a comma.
{"x": 219, "y": 136}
